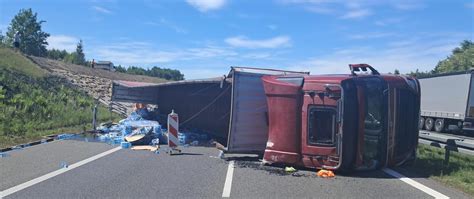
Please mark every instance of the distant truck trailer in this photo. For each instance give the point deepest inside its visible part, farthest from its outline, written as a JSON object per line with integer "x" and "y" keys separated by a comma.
{"x": 447, "y": 102}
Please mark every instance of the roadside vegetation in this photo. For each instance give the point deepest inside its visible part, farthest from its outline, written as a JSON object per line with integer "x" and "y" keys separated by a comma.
{"x": 461, "y": 59}
{"x": 34, "y": 104}
{"x": 165, "y": 73}
{"x": 459, "y": 173}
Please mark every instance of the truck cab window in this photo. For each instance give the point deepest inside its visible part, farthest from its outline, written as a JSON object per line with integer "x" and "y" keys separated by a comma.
{"x": 321, "y": 125}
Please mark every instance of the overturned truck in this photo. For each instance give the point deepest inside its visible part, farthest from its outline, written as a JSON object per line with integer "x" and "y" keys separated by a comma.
{"x": 362, "y": 120}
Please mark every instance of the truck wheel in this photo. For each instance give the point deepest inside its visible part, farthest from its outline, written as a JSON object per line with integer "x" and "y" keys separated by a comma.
{"x": 429, "y": 123}
{"x": 439, "y": 125}
{"x": 421, "y": 123}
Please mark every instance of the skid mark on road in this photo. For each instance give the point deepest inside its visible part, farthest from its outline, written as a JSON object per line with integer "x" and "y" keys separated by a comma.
{"x": 415, "y": 184}
{"x": 37, "y": 180}
{"x": 228, "y": 180}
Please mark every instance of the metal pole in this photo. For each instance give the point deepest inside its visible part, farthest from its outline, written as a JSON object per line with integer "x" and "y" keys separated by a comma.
{"x": 94, "y": 117}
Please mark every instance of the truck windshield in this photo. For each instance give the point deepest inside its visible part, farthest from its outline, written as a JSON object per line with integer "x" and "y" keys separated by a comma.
{"x": 374, "y": 131}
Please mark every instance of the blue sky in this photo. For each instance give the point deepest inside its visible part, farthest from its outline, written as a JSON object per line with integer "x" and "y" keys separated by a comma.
{"x": 203, "y": 38}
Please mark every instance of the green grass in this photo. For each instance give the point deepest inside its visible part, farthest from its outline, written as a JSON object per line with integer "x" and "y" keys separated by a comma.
{"x": 34, "y": 104}
{"x": 9, "y": 141}
{"x": 12, "y": 60}
{"x": 458, "y": 174}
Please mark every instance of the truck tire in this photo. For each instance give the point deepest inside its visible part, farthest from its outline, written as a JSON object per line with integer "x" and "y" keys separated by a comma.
{"x": 429, "y": 123}
{"x": 439, "y": 125}
{"x": 421, "y": 123}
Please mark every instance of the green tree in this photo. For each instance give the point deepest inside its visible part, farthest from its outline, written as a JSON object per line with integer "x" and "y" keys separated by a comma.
{"x": 57, "y": 54}
{"x": 32, "y": 38}
{"x": 165, "y": 73}
{"x": 120, "y": 69}
{"x": 2, "y": 38}
{"x": 396, "y": 72}
{"x": 70, "y": 58}
{"x": 420, "y": 74}
{"x": 80, "y": 58}
{"x": 461, "y": 59}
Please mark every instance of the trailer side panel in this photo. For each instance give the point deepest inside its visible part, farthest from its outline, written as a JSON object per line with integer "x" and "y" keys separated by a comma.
{"x": 445, "y": 96}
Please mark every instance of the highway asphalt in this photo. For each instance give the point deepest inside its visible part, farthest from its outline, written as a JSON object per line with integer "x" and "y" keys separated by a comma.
{"x": 195, "y": 174}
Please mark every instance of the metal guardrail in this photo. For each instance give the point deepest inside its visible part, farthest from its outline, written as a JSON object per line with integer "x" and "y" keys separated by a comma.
{"x": 448, "y": 143}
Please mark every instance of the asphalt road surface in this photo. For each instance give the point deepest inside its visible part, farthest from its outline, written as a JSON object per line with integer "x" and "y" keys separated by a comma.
{"x": 98, "y": 170}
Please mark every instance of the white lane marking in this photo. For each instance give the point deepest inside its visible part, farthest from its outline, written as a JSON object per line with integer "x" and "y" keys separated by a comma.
{"x": 415, "y": 184}
{"x": 37, "y": 180}
{"x": 228, "y": 180}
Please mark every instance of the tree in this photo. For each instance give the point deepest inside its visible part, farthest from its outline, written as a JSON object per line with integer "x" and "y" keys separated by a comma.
{"x": 32, "y": 38}
{"x": 57, "y": 54}
{"x": 70, "y": 58}
{"x": 396, "y": 72}
{"x": 461, "y": 59}
{"x": 420, "y": 74}
{"x": 121, "y": 69}
{"x": 165, "y": 73}
{"x": 2, "y": 37}
{"x": 80, "y": 58}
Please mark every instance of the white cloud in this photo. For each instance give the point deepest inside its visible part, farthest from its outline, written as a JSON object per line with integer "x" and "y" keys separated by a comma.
{"x": 257, "y": 55}
{"x": 272, "y": 27}
{"x": 102, "y": 10}
{"x": 470, "y": 5}
{"x": 62, "y": 42}
{"x": 244, "y": 42}
{"x": 374, "y": 35}
{"x": 388, "y": 21}
{"x": 351, "y": 9}
{"x": 321, "y": 10}
{"x": 408, "y": 5}
{"x": 206, "y": 5}
{"x": 405, "y": 55}
{"x": 357, "y": 14}
{"x": 143, "y": 53}
{"x": 166, "y": 23}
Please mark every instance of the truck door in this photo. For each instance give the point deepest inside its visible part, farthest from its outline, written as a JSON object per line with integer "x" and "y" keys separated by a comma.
{"x": 320, "y": 124}
{"x": 373, "y": 112}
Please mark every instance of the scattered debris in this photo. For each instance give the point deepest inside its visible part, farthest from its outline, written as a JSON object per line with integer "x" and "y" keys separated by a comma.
{"x": 63, "y": 164}
{"x": 65, "y": 136}
{"x": 17, "y": 147}
{"x": 155, "y": 142}
{"x": 149, "y": 148}
{"x": 290, "y": 169}
{"x": 254, "y": 163}
{"x": 325, "y": 173}
{"x": 125, "y": 145}
{"x": 195, "y": 137}
{"x": 221, "y": 154}
{"x": 3, "y": 155}
{"x": 134, "y": 129}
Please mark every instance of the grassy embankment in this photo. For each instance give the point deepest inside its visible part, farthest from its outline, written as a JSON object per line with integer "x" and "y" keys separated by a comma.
{"x": 34, "y": 103}
{"x": 459, "y": 173}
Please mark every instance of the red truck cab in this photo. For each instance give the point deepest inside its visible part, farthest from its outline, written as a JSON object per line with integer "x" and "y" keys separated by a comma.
{"x": 342, "y": 122}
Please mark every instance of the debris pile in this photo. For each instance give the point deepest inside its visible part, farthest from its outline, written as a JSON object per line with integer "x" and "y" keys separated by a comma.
{"x": 134, "y": 129}
{"x": 325, "y": 173}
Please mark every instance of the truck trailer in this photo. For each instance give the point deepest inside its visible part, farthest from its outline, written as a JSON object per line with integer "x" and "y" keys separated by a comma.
{"x": 362, "y": 120}
{"x": 447, "y": 103}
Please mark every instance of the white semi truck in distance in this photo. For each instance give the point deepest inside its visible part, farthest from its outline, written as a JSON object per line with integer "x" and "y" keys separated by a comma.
{"x": 447, "y": 102}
